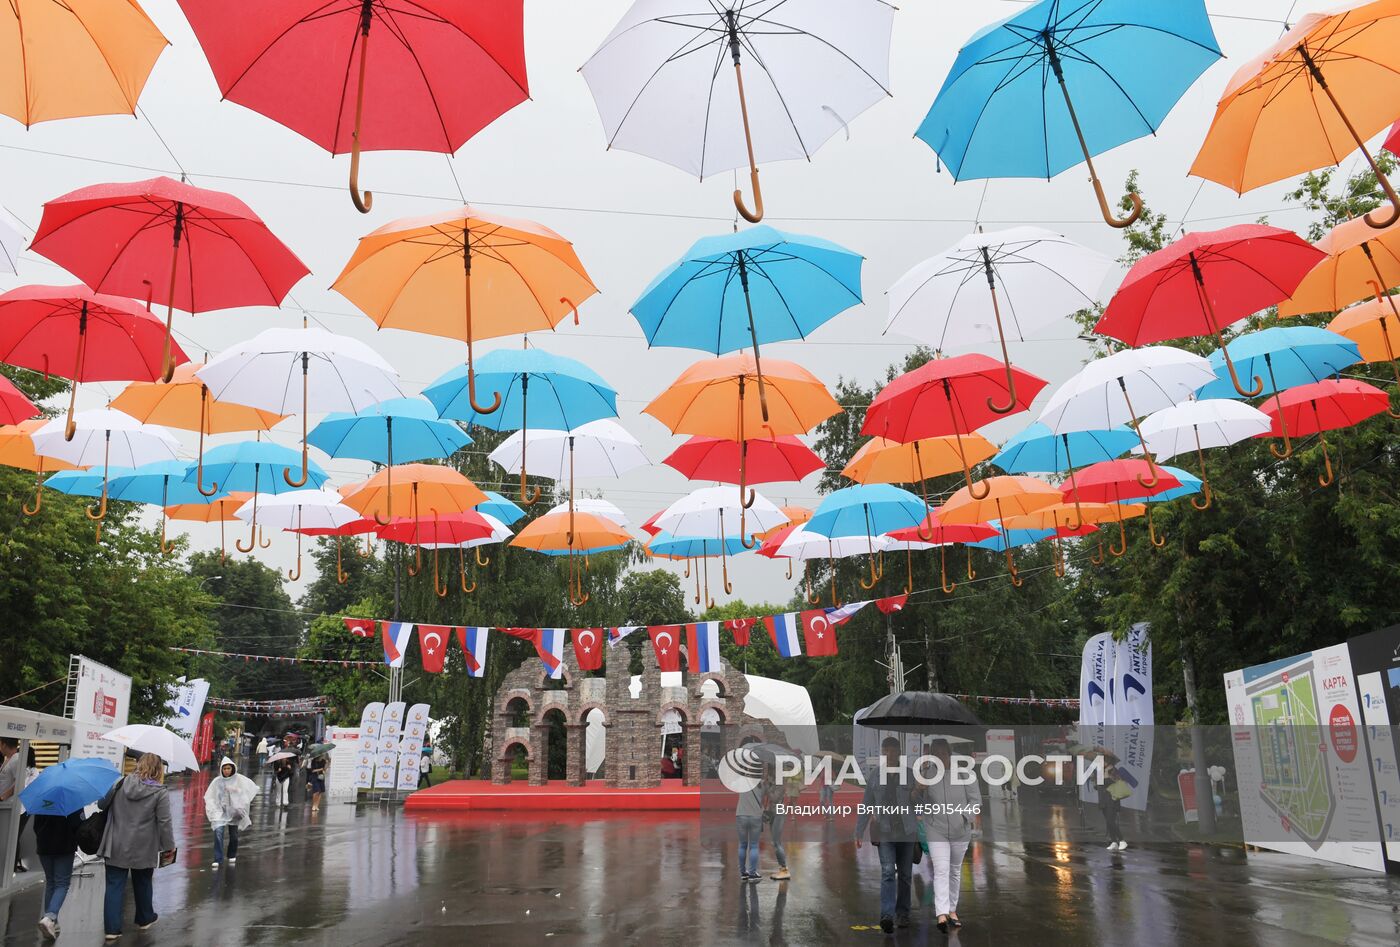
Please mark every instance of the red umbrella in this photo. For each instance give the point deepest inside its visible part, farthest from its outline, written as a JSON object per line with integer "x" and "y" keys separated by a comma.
{"x": 440, "y": 70}
{"x": 757, "y": 460}
{"x": 447, "y": 529}
{"x": 74, "y": 333}
{"x": 1324, "y": 406}
{"x": 650, "y": 527}
{"x": 949, "y": 396}
{"x": 170, "y": 243}
{"x": 360, "y": 527}
{"x": 1120, "y": 481}
{"x": 943, "y": 535}
{"x": 1204, "y": 282}
{"x": 14, "y": 406}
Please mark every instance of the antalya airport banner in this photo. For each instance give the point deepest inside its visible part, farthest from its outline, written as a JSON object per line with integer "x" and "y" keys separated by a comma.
{"x": 1130, "y": 714}
{"x": 186, "y": 706}
{"x": 1304, "y": 777}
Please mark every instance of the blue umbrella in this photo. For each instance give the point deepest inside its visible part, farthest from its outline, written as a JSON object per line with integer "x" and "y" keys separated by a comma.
{"x": 691, "y": 547}
{"x": 1036, "y": 449}
{"x": 744, "y": 289}
{"x": 1190, "y": 485}
{"x": 255, "y": 467}
{"x": 162, "y": 483}
{"x": 499, "y": 507}
{"x": 870, "y": 510}
{"x": 1282, "y": 357}
{"x": 83, "y": 483}
{"x": 553, "y": 392}
{"x": 67, "y": 787}
{"x": 1124, "y": 62}
{"x": 1011, "y": 538}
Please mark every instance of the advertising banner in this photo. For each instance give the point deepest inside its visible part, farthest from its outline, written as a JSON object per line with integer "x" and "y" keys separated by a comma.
{"x": 101, "y": 700}
{"x": 340, "y": 775}
{"x": 1095, "y": 671}
{"x": 416, "y": 721}
{"x": 1130, "y": 713}
{"x": 392, "y": 725}
{"x": 386, "y": 770}
{"x": 408, "y": 772}
{"x": 1375, "y": 659}
{"x": 186, "y": 706}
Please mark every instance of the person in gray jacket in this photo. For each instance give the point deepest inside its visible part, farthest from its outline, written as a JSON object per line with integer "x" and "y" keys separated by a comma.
{"x": 949, "y": 813}
{"x": 138, "y": 833}
{"x": 894, "y": 830}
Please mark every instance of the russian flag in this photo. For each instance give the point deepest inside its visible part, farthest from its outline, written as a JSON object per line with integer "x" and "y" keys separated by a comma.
{"x": 785, "y": 630}
{"x": 550, "y": 646}
{"x": 473, "y": 641}
{"x": 395, "y": 635}
{"x": 703, "y": 639}
{"x": 617, "y": 634}
{"x": 839, "y": 616}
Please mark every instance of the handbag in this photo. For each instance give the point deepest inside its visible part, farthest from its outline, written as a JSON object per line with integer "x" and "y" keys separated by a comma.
{"x": 1119, "y": 789}
{"x": 90, "y": 832}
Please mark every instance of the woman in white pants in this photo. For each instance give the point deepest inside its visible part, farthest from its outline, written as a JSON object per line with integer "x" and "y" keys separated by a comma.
{"x": 950, "y": 812}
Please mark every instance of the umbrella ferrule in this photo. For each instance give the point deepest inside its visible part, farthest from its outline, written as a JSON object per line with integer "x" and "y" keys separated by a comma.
{"x": 179, "y": 227}
{"x": 366, "y": 16}
{"x": 1053, "y": 56}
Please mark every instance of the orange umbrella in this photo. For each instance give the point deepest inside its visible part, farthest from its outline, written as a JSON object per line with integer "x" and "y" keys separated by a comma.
{"x": 422, "y": 489}
{"x": 17, "y": 450}
{"x": 1005, "y": 497}
{"x": 75, "y": 58}
{"x": 465, "y": 275}
{"x": 185, "y": 403}
{"x": 220, "y": 511}
{"x": 1308, "y": 101}
{"x": 1061, "y": 516}
{"x": 710, "y": 398}
{"x": 881, "y": 460}
{"x": 568, "y": 532}
{"x": 1361, "y": 261}
{"x": 1375, "y": 328}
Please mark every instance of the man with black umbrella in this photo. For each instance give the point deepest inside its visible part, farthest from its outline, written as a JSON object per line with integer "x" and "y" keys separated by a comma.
{"x": 888, "y": 811}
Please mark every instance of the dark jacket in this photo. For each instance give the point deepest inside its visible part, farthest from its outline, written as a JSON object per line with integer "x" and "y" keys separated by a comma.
{"x": 57, "y": 834}
{"x": 138, "y": 824}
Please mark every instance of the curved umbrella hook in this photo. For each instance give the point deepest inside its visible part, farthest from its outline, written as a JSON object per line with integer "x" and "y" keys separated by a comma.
{"x": 1132, "y": 196}
{"x": 1122, "y": 547}
{"x": 253, "y": 521}
{"x": 106, "y": 459}
{"x": 971, "y": 572}
{"x": 1059, "y": 558}
{"x": 462, "y": 572}
{"x": 363, "y": 202}
{"x": 341, "y": 576}
{"x": 1282, "y": 417}
{"x": 1001, "y": 337}
{"x": 1151, "y": 480}
{"x": 471, "y": 371}
{"x": 755, "y": 215}
{"x": 203, "y": 423}
{"x": 1073, "y": 485}
{"x": 1324, "y": 480}
{"x": 1205, "y": 480}
{"x": 38, "y": 491}
{"x": 305, "y": 463}
{"x": 870, "y": 548}
{"x": 948, "y": 587}
{"x": 1154, "y": 537}
{"x": 908, "y": 570}
{"x": 483, "y": 563}
{"x": 293, "y": 575}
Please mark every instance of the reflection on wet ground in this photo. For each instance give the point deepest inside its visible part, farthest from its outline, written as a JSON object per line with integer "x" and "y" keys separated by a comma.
{"x": 374, "y": 876}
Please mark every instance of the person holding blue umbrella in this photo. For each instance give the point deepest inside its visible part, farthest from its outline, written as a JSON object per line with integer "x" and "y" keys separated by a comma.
{"x": 56, "y": 799}
{"x": 1120, "y": 65}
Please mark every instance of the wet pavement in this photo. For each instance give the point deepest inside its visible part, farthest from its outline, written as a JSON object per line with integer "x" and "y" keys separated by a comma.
{"x": 371, "y": 875}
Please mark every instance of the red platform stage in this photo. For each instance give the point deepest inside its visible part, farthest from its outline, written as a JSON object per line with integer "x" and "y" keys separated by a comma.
{"x": 595, "y": 796}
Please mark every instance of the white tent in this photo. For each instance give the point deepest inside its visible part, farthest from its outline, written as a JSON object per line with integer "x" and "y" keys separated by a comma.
{"x": 787, "y": 706}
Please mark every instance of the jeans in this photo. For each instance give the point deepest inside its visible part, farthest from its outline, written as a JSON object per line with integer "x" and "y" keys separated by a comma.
{"x": 777, "y": 826}
{"x": 225, "y": 833}
{"x": 896, "y": 867}
{"x": 947, "y": 856}
{"x": 58, "y": 873}
{"x": 750, "y": 828}
{"x": 116, "y": 897}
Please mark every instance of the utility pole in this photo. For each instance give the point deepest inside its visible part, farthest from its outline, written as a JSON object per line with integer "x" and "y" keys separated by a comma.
{"x": 396, "y": 673}
{"x": 1205, "y": 798}
{"x": 894, "y": 662}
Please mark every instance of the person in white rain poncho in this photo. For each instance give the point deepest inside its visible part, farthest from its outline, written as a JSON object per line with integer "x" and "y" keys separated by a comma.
{"x": 226, "y": 803}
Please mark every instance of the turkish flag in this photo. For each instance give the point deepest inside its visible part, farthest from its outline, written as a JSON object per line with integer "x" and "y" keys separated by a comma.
{"x": 892, "y": 604}
{"x": 740, "y": 628}
{"x": 818, "y": 633}
{"x": 665, "y": 640}
{"x": 588, "y": 647}
{"x": 432, "y": 646}
{"x": 360, "y": 627}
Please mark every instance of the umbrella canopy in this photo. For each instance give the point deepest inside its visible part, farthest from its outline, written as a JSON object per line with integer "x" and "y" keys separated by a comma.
{"x": 281, "y": 755}
{"x": 596, "y": 449}
{"x": 1008, "y": 537}
{"x": 1118, "y": 482}
{"x": 1199, "y": 425}
{"x": 1037, "y": 449}
{"x": 1375, "y": 328}
{"x": 769, "y": 460}
{"x": 1056, "y": 83}
{"x": 1360, "y": 261}
{"x": 916, "y": 711}
{"x": 655, "y": 80}
{"x": 104, "y": 437}
{"x": 1203, "y": 282}
{"x": 87, "y": 481}
{"x": 17, "y": 450}
{"x": 402, "y": 428}
{"x": 803, "y": 544}
{"x": 1069, "y": 517}
{"x": 1039, "y": 276}
{"x": 295, "y": 510}
{"x": 450, "y": 529}
{"x": 709, "y": 398}
{"x": 440, "y": 71}
{"x": 14, "y": 406}
{"x": 881, "y": 460}
{"x": 499, "y": 507}
{"x": 1309, "y": 100}
{"x": 704, "y": 512}
{"x": 418, "y": 488}
{"x": 1004, "y": 497}
{"x": 534, "y": 388}
{"x": 254, "y": 467}
{"x": 74, "y": 333}
{"x": 76, "y": 58}
{"x": 597, "y": 506}
{"x": 669, "y": 546}
{"x": 1320, "y": 407}
{"x": 319, "y": 749}
{"x": 175, "y": 244}
{"x": 162, "y": 484}
{"x": 1190, "y": 486}
{"x": 467, "y": 275}
{"x": 1281, "y": 357}
{"x": 69, "y": 786}
{"x": 220, "y": 510}
{"x": 567, "y": 533}
{"x": 866, "y": 510}
{"x": 169, "y": 746}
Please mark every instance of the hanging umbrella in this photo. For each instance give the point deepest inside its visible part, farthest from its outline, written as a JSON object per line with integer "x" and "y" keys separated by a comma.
{"x": 255, "y": 467}
{"x": 162, "y": 484}
{"x": 743, "y": 289}
{"x": 915, "y": 712}
{"x": 562, "y": 533}
{"x": 14, "y": 406}
{"x": 440, "y": 72}
{"x": 1309, "y": 100}
{"x": 1062, "y": 519}
{"x": 1004, "y": 497}
{"x": 668, "y": 546}
{"x": 1375, "y": 328}
{"x": 422, "y": 489}
{"x": 499, "y": 507}
{"x": 948, "y": 396}
{"x": 76, "y": 58}
{"x": 709, "y": 398}
{"x": 1203, "y": 282}
{"x": 11, "y": 242}
{"x": 934, "y": 530}
{"x": 467, "y": 275}
{"x": 597, "y": 449}
{"x": 868, "y": 511}
{"x": 704, "y": 512}
{"x": 1120, "y": 482}
{"x": 1040, "y": 277}
{"x": 17, "y": 450}
{"x": 1117, "y": 68}
{"x": 655, "y": 80}
{"x": 794, "y": 516}
{"x": 220, "y": 510}
{"x": 184, "y": 403}
{"x": 1037, "y": 449}
{"x": 69, "y": 786}
{"x": 767, "y": 460}
{"x": 106, "y": 437}
{"x": 86, "y": 481}
{"x": 803, "y": 544}
{"x": 364, "y": 526}
{"x": 596, "y": 506}
{"x": 125, "y": 238}
{"x": 295, "y": 510}
{"x": 880, "y": 460}
{"x": 1190, "y": 486}
{"x": 169, "y": 746}
{"x": 334, "y": 373}
{"x": 1197, "y": 425}
{"x": 74, "y": 333}
{"x": 1360, "y": 261}
{"x": 1320, "y": 407}
{"x": 1123, "y": 387}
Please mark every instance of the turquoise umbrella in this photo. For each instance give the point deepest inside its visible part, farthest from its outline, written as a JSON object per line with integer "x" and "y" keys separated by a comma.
{"x": 255, "y": 467}
{"x": 163, "y": 484}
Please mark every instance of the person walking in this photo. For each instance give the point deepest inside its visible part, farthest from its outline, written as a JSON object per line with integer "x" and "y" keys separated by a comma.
{"x": 893, "y": 831}
{"x": 12, "y": 780}
{"x": 56, "y": 840}
{"x": 949, "y": 813}
{"x": 1109, "y": 803}
{"x": 425, "y": 768}
{"x": 262, "y": 751}
{"x": 784, "y": 792}
{"x": 139, "y": 837}
{"x": 226, "y": 804}
{"x": 316, "y": 781}
{"x": 282, "y": 781}
{"x": 748, "y": 817}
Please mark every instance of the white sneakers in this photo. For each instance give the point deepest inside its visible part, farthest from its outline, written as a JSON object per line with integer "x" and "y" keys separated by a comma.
{"x": 231, "y": 862}
{"x": 1122, "y": 844}
{"x": 1117, "y": 846}
{"x": 49, "y": 926}
{"x": 215, "y": 866}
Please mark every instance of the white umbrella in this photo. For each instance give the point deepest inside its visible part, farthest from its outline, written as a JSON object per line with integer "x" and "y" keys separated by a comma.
{"x": 1124, "y": 386}
{"x": 105, "y": 437}
{"x": 1195, "y": 425}
{"x": 169, "y": 746}
{"x": 815, "y": 65}
{"x": 802, "y": 545}
{"x": 333, "y": 373}
{"x": 703, "y": 512}
{"x": 993, "y": 286}
{"x": 596, "y": 506}
{"x": 597, "y": 449}
{"x": 296, "y": 511}
{"x": 11, "y": 242}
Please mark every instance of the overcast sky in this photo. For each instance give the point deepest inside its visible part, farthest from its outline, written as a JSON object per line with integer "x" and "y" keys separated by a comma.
{"x": 877, "y": 193}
